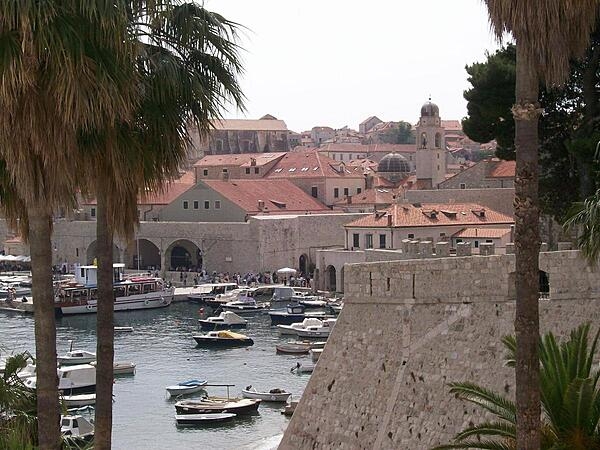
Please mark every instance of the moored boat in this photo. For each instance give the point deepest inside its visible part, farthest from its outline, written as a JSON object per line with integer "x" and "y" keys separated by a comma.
{"x": 207, "y": 293}
{"x": 74, "y": 357}
{"x": 297, "y": 326}
{"x": 273, "y": 395}
{"x": 199, "y": 419}
{"x": 76, "y": 428}
{"x": 293, "y": 348}
{"x": 121, "y": 367}
{"x": 294, "y": 313}
{"x": 186, "y": 387}
{"x": 215, "y": 405}
{"x": 73, "y": 401}
{"x": 72, "y": 380}
{"x": 302, "y": 368}
{"x": 222, "y": 339}
{"x": 227, "y": 320}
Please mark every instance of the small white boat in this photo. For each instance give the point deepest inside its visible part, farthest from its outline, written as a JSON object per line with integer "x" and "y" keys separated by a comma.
{"x": 295, "y": 327}
{"x": 121, "y": 367}
{"x": 274, "y": 395}
{"x": 225, "y": 321}
{"x": 293, "y": 348}
{"x": 186, "y": 387}
{"x": 123, "y": 329}
{"x": 248, "y": 305}
{"x": 317, "y": 331}
{"x": 198, "y": 419}
{"x": 75, "y": 357}
{"x": 73, "y": 401}
{"x": 303, "y": 368}
{"x": 315, "y": 353}
{"x": 76, "y": 428}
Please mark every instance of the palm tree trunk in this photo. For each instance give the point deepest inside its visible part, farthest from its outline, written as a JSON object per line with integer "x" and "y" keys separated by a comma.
{"x": 45, "y": 329}
{"x": 105, "y": 324}
{"x": 527, "y": 246}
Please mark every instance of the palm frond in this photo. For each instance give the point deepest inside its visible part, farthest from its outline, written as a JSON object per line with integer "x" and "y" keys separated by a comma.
{"x": 487, "y": 399}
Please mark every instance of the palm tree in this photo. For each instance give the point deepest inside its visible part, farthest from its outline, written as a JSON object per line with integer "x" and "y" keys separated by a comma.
{"x": 548, "y": 35}
{"x": 570, "y": 395}
{"x": 55, "y": 81}
{"x": 188, "y": 65}
{"x": 585, "y": 216}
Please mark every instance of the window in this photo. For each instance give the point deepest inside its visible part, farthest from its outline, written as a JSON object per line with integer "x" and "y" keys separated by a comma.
{"x": 195, "y": 204}
{"x": 205, "y": 172}
{"x": 304, "y": 169}
{"x": 382, "y": 241}
{"x": 186, "y": 204}
{"x": 336, "y": 192}
{"x": 463, "y": 186}
{"x": 314, "y": 191}
{"x": 77, "y": 252}
{"x": 476, "y": 244}
{"x": 346, "y": 193}
{"x": 411, "y": 236}
{"x": 225, "y": 170}
{"x": 355, "y": 240}
{"x": 256, "y": 170}
{"x": 206, "y": 204}
{"x": 217, "y": 204}
{"x": 93, "y": 212}
{"x": 489, "y": 241}
{"x": 278, "y": 170}
{"x": 292, "y": 169}
{"x": 358, "y": 190}
{"x": 368, "y": 241}
{"x": 247, "y": 170}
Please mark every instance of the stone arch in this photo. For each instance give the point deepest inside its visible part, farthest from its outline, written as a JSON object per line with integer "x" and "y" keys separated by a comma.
{"x": 544, "y": 284}
{"x": 144, "y": 255}
{"x": 438, "y": 140}
{"x": 303, "y": 264}
{"x": 183, "y": 253}
{"x": 331, "y": 279}
{"x": 91, "y": 253}
{"x": 423, "y": 140}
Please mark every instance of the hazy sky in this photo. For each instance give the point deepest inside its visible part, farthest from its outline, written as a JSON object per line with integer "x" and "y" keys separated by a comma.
{"x": 336, "y": 62}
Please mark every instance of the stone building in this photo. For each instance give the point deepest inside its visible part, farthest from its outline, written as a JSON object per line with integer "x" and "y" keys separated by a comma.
{"x": 431, "y": 148}
{"x": 243, "y": 166}
{"x": 366, "y": 125}
{"x": 319, "y": 135}
{"x": 488, "y": 173}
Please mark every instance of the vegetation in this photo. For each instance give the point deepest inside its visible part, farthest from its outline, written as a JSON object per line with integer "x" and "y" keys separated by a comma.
{"x": 570, "y": 396}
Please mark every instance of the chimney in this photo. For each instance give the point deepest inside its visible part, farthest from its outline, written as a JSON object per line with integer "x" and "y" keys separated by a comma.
{"x": 261, "y": 204}
{"x": 512, "y": 233}
{"x": 252, "y": 161}
{"x": 349, "y": 199}
{"x": 225, "y": 176}
{"x": 389, "y": 220}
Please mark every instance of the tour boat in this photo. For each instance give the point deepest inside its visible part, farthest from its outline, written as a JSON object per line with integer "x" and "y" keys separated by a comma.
{"x": 217, "y": 405}
{"x": 274, "y": 395}
{"x": 199, "y": 419}
{"x": 225, "y": 321}
{"x": 222, "y": 339}
{"x": 139, "y": 292}
{"x": 76, "y": 428}
{"x": 186, "y": 387}
{"x": 74, "y": 357}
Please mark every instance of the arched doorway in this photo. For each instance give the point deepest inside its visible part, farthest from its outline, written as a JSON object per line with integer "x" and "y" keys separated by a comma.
{"x": 303, "y": 265}
{"x": 330, "y": 279}
{"x": 91, "y": 253}
{"x": 145, "y": 255}
{"x": 184, "y": 254}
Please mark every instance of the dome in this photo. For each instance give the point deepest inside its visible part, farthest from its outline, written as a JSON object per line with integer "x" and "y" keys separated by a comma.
{"x": 393, "y": 163}
{"x": 430, "y": 109}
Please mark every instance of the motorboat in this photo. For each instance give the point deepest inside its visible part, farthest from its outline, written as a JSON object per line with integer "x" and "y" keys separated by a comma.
{"x": 317, "y": 331}
{"x": 245, "y": 306}
{"x": 295, "y": 327}
{"x": 222, "y": 339}
{"x": 76, "y": 428}
{"x": 121, "y": 367}
{"x": 274, "y": 395}
{"x": 293, "y": 348}
{"x": 186, "y": 387}
{"x": 199, "y": 419}
{"x": 335, "y": 308}
{"x": 302, "y": 368}
{"x": 207, "y": 293}
{"x": 282, "y": 295}
{"x": 123, "y": 329}
{"x": 294, "y": 313}
{"x": 225, "y": 321}
{"x": 76, "y": 401}
{"x": 131, "y": 293}
{"x": 75, "y": 357}
{"x": 315, "y": 353}
{"x": 72, "y": 380}
{"x": 217, "y": 405}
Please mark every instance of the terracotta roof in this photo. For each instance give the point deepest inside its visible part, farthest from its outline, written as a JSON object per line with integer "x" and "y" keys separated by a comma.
{"x": 452, "y": 125}
{"x": 370, "y": 148}
{"x": 250, "y": 125}
{"x": 310, "y": 164}
{"x": 501, "y": 169}
{"x": 376, "y": 196}
{"x": 433, "y": 214}
{"x": 277, "y": 196}
{"x": 489, "y": 233}
{"x": 243, "y": 159}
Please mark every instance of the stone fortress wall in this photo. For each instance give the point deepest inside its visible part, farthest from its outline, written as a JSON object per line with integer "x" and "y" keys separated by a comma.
{"x": 409, "y": 328}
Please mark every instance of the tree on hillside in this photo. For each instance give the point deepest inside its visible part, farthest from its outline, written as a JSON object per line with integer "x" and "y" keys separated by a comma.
{"x": 61, "y": 73}
{"x": 547, "y": 35}
{"x": 188, "y": 64}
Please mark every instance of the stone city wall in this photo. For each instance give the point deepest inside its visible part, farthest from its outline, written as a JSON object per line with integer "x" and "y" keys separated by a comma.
{"x": 407, "y": 329}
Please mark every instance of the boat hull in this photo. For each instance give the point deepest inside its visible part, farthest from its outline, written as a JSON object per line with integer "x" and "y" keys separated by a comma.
{"x": 239, "y": 407}
{"x": 174, "y": 391}
{"x": 200, "y": 419}
{"x": 208, "y": 342}
{"x": 292, "y": 349}
{"x": 215, "y": 326}
{"x": 71, "y": 401}
{"x": 267, "y": 396}
{"x": 130, "y": 303}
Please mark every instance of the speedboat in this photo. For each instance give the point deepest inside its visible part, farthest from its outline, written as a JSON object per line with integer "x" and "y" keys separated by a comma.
{"x": 73, "y": 380}
{"x": 199, "y": 419}
{"x": 295, "y": 327}
{"x": 317, "y": 331}
{"x": 244, "y": 303}
{"x": 294, "y": 313}
{"x": 75, "y": 357}
{"x": 274, "y": 395}
{"x": 186, "y": 387}
{"x": 222, "y": 339}
{"x": 76, "y": 428}
{"x": 225, "y": 321}
{"x": 217, "y": 405}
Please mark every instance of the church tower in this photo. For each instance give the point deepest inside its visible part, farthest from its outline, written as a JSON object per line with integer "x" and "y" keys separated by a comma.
{"x": 431, "y": 148}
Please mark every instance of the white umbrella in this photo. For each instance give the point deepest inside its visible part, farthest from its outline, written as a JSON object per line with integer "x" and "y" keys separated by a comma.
{"x": 286, "y": 271}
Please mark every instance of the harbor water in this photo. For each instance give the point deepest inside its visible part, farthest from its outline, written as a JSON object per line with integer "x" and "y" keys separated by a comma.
{"x": 165, "y": 353}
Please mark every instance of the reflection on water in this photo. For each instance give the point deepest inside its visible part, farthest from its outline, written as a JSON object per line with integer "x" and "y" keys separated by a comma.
{"x": 165, "y": 353}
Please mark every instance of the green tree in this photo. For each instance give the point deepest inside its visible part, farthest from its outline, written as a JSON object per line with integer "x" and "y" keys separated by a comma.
{"x": 188, "y": 64}
{"x": 56, "y": 80}
{"x": 399, "y": 133}
{"x": 584, "y": 217}
{"x": 570, "y": 396}
{"x": 547, "y": 37}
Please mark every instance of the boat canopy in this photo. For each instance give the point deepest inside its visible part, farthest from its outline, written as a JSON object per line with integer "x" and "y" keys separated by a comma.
{"x": 230, "y": 335}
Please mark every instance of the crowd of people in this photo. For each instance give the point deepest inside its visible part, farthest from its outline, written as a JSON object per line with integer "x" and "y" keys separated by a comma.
{"x": 188, "y": 277}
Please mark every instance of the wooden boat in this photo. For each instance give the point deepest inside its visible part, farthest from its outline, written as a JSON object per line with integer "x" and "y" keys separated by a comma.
{"x": 74, "y": 357}
{"x": 274, "y": 395}
{"x": 293, "y": 348}
{"x": 186, "y": 387}
{"x": 227, "y": 320}
{"x": 216, "y": 405}
{"x": 302, "y": 368}
{"x": 72, "y": 401}
{"x": 199, "y": 419}
{"x": 222, "y": 339}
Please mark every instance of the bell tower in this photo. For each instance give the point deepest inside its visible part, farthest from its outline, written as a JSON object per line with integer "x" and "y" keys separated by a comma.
{"x": 431, "y": 147}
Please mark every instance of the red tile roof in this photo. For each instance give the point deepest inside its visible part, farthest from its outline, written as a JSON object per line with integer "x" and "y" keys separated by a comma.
{"x": 250, "y": 125}
{"x": 489, "y": 233}
{"x": 452, "y": 125}
{"x": 376, "y": 196}
{"x": 433, "y": 214}
{"x": 277, "y": 196}
{"x": 371, "y": 148}
{"x": 501, "y": 169}
{"x": 241, "y": 160}
{"x": 310, "y": 164}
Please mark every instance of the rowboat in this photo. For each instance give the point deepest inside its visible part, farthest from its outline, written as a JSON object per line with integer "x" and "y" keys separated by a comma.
{"x": 199, "y": 419}
{"x": 274, "y": 395}
{"x": 293, "y": 349}
{"x": 186, "y": 387}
